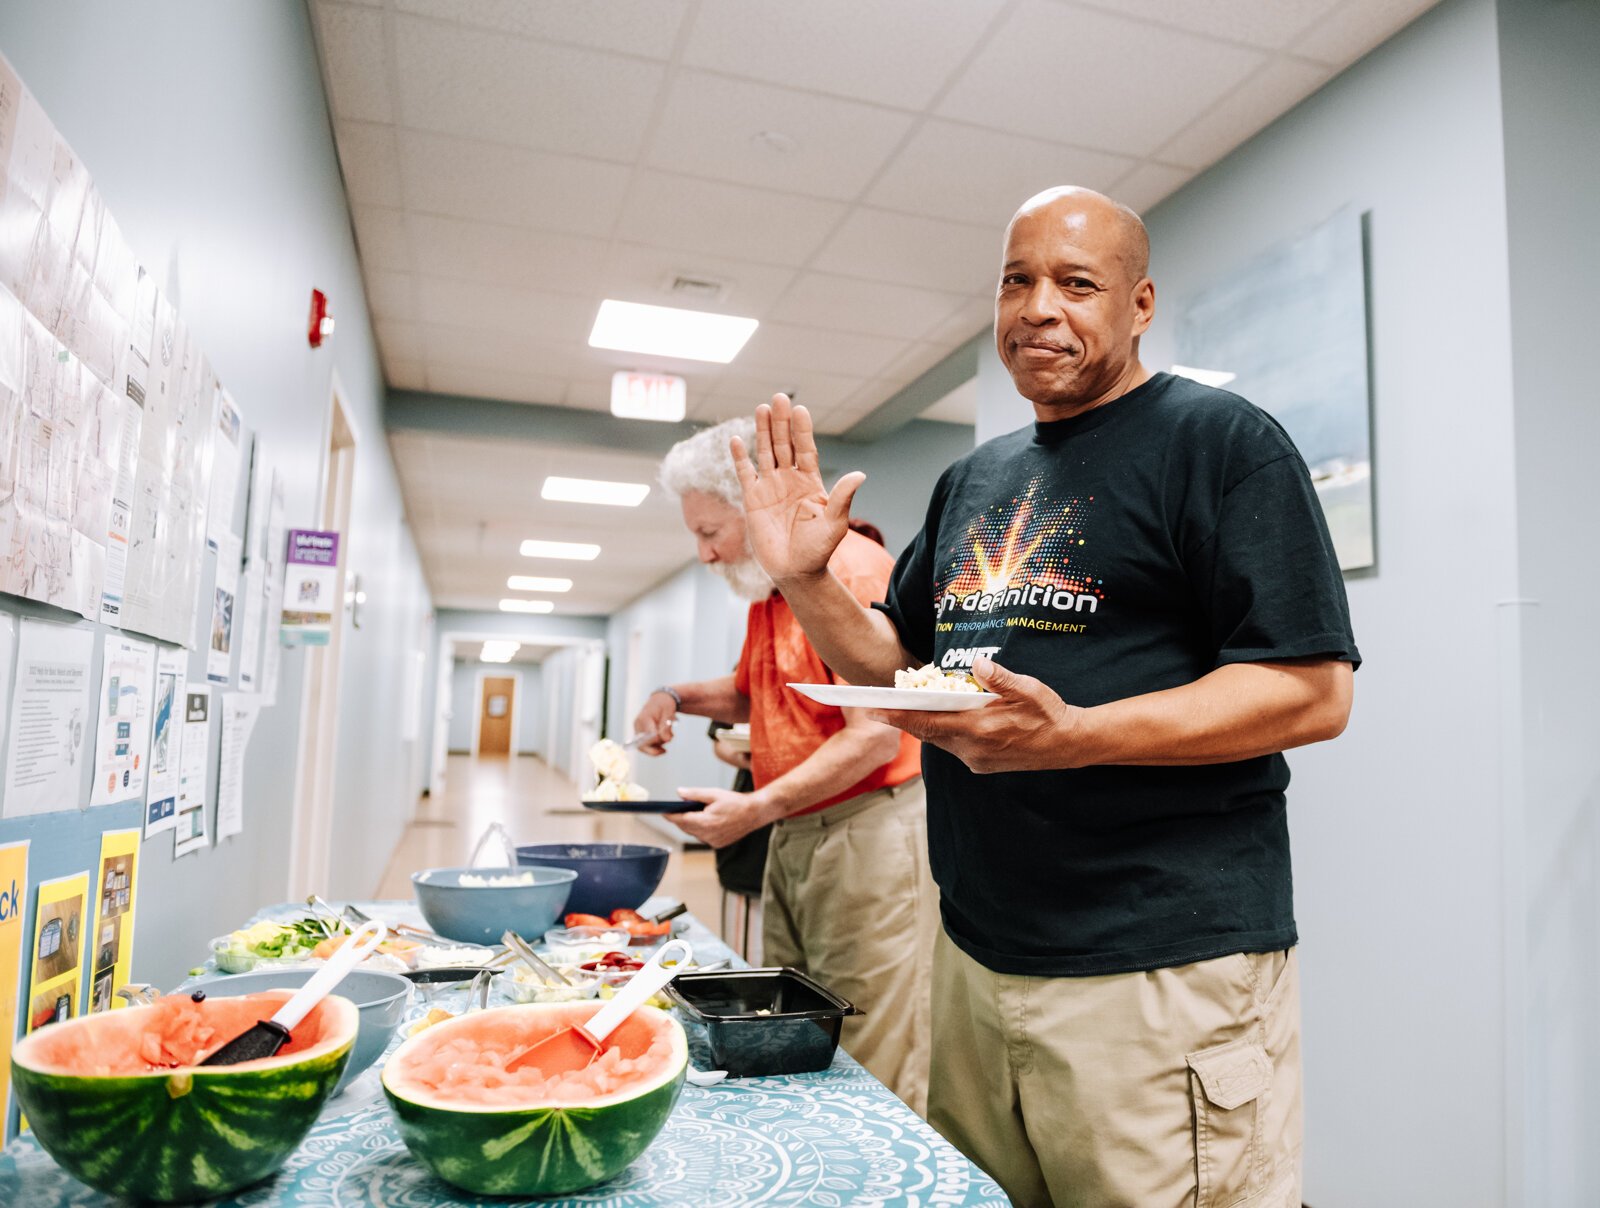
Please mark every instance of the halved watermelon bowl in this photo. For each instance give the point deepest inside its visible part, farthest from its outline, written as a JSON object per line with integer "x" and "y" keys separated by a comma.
{"x": 494, "y": 1133}
{"x": 118, "y": 1101}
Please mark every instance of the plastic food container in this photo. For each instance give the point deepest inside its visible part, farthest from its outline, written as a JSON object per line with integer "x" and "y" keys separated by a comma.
{"x": 523, "y": 985}
{"x": 763, "y": 1021}
{"x": 565, "y": 943}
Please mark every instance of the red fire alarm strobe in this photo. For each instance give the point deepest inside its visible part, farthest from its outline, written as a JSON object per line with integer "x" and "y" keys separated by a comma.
{"x": 321, "y": 326}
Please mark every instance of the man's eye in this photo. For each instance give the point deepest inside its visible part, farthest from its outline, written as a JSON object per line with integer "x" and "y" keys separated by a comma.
{"x": 1012, "y": 279}
{"x": 1078, "y": 283}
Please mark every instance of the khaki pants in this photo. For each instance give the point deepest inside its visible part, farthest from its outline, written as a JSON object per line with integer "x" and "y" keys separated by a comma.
{"x": 848, "y": 899}
{"x": 1135, "y": 1090}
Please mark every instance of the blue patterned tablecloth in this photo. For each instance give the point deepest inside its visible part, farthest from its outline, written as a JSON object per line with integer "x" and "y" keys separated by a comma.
{"x": 837, "y": 1137}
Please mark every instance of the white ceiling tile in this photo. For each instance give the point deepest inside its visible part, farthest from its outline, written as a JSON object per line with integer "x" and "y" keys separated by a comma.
{"x": 973, "y": 316}
{"x": 464, "y": 179}
{"x": 960, "y": 406}
{"x": 639, "y": 27}
{"x": 713, "y": 126}
{"x": 726, "y": 220}
{"x": 981, "y": 177}
{"x": 484, "y": 85}
{"x": 815, "y": 388}
{"x": 1357, "y": 26}
{"x": 883, "y": 246}
{"x": 786, "y": 346}
{"x": 405, "y": 374}
{"x": 399, "y": 341}
{"x": 508, "y": 352}
{"x": 370, "y": 162}
{"x": 356, "y": 62}
{"x": 895, "y": 52}
{"x": 1265, "y": 96}
{"x": 1148, "y": 184}
{"x": 536, "y": 314}
{"x": 640, "y": 273}
{"x": 502, "y": 255}
{"x": 1270, "y": 25}
{"x": 476, "y": 382}
{"x": 381, "y": 237}
{"x": 876, "y": 308}
{"x": 391, "y": 296}
{"x": 1132, "y": 85}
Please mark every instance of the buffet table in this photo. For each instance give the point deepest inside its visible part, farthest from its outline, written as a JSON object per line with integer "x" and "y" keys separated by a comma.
{"x": 837, "y": 1137}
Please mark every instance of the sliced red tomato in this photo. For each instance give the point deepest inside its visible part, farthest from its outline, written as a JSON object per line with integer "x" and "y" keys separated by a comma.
{"x": 588, "y": 920}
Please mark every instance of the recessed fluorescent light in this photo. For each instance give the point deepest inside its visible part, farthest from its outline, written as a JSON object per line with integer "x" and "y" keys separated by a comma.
{"x": 1206, "y": 377}
{"x": 666, "y": 331}
{"x": 570, "y": 551}
{"x": 527, "y": 606}
{"x": 498, "y": 651}
{"x": 590, "y": 490}
{"x": 535, "y": 583}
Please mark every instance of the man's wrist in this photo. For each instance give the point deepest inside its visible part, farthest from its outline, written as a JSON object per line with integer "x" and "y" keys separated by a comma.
{"x": 669, "y": 690}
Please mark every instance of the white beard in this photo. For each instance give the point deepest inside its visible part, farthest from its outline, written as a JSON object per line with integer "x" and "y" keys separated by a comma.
{"x": 746, "y": 579}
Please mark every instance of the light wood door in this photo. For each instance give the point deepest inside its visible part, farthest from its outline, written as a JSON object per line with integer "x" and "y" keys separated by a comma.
{"x": 494, "y": 715}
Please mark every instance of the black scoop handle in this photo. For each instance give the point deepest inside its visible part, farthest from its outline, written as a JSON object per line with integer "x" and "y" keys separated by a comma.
{"x": 263, "y": 1040}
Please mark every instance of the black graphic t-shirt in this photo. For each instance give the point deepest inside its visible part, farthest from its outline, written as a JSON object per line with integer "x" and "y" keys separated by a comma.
{"x": 1130, "y": 549}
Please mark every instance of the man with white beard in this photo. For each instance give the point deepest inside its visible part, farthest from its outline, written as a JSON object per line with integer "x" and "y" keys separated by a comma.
{"x": 847, "y": 896}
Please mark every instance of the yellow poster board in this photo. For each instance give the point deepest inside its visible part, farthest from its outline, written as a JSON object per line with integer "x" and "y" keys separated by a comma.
{"x": 60, "y": 927}
{"x": 13, "y": 888}
{"x": 111, "y": 940}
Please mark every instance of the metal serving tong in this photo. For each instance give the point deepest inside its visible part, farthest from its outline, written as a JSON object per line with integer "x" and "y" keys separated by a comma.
{"x": 524, "y": 952}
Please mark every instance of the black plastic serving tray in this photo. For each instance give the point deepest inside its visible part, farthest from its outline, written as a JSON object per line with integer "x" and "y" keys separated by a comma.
{"x": 797, "y": 1034}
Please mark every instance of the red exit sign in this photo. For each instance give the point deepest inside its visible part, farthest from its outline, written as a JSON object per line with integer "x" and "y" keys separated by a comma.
{"x": 658, "y": 396}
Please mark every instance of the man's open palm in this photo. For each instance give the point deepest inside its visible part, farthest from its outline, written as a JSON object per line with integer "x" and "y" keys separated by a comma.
{"x": 794, "y": 524}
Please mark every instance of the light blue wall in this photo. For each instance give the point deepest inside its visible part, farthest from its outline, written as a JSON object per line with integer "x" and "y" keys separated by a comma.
{"x": 529, "y": 705}
{"x": 204, "y": 127}
{"x": 1550, "y": 76}
{"x": 1398, "y": 826}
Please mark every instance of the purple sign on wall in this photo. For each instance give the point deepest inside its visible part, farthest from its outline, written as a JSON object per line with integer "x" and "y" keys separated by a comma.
{"x": 310, "y": 548}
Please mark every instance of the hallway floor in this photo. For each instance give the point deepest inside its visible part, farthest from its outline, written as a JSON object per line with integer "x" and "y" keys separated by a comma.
{"x": 537, "y": 805}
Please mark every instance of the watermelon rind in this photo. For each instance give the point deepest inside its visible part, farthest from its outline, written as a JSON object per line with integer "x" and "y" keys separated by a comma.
{"x": 179, "y": 1136}
{"x": 546, "y": 1150}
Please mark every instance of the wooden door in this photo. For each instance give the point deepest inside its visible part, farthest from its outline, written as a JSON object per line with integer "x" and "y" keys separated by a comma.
{"x": 494, "y": 715}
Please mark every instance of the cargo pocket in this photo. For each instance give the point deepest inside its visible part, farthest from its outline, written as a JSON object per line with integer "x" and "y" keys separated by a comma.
{"x": 1227, "y": 1083}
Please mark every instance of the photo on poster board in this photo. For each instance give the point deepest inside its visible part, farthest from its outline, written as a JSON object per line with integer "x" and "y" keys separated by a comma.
{"x": 13, "y": 893}
{"x": 59, "y": 934}
{"x": 122, "y": 732}
{"x": 190, "y": 833}
{"x": 224, "y": 611}
{"x": 311, "y": 588}
{"x": 51, "y": 716}
{"x": 111, "y": 940}
{"x": 166, "y": 741}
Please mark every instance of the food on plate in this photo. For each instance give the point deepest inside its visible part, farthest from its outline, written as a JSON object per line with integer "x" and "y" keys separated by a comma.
{"x": 525, "y": 985}
{"x": 586, "y": 920}
{"x": 612, "y": 767}
{"x": 434, "y": 1015}
{"x": 524, "y": 1134}
{"x": 635, "y": 924}
{"x": 613, "y": 962}
{"x": 432, "y": 956}
{"x": 931, "y": 679}
{"x": 295, "y": 939}
{"x": 118, "y": 1101}
{"x": 402, "y": 950}
{"x": 472, "y": 880}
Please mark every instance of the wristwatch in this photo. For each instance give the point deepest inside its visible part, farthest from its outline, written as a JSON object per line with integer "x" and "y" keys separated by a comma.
{"x": 670, "y": 691}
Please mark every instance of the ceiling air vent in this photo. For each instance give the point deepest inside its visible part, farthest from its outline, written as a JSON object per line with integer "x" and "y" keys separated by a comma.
{"x": 697, "y": 289}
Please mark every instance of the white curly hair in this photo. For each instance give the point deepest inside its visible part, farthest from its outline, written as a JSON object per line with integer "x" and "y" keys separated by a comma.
{"x": 702, "y": 462}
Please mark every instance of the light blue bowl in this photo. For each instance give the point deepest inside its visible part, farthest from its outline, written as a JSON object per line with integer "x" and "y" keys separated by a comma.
{"x": 480, "y": 914}
{"x": 380, "y": 999}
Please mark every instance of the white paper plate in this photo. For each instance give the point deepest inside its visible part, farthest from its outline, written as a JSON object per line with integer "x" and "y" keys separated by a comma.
{"x": 850, "y": 696}
{"x": 737, "y": 737}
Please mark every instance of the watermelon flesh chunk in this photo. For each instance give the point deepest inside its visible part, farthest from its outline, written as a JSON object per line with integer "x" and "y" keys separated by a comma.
{"x": 171, "y": 1033}
{"x": 118, "y": 1102}
{"x": 498, "y": 1133}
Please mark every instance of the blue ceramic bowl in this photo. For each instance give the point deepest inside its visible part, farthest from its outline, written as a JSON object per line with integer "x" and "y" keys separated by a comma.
{"x": 480, "y": 914}
{"x": 380, "y": 999}
{"x": 611, "y": 876}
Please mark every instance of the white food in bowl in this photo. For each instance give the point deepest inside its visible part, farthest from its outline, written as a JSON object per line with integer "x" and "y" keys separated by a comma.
{"x": 931, "y": 679}
{"x": 470, "y": 880}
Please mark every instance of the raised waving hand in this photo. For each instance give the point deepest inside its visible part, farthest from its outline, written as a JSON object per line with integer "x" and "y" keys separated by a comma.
{"x": 794, "y": 523}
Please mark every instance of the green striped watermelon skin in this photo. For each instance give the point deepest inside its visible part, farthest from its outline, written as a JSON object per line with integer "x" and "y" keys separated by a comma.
{"x": 180, "y": 1137}
{"x": 534, "y": 1151}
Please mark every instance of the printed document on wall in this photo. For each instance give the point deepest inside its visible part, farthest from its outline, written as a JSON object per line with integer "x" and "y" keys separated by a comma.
{"x": 60, "y": 932}
{"x": 8, "y": 644}
{"x": 239, "y": 713}
{"x": 190, "y": 833}
{"x": 50, "y": 719}
{"x": 166, "y": 741}
{"x": 111, "y": 942}
{"x": 224, "y": 610}
{"x": 122, "y": 737}
{"x": 227, "y": 445}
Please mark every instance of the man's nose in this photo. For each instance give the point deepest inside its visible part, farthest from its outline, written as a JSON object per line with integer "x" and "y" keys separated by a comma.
{"x": 1041, "y": 304}
{"x": 708, "y": 552}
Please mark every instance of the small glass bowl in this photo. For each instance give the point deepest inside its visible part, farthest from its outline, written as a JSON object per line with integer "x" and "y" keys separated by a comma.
{"x": 561, "y": 940}
{"x": 522, "y": 985}
{"x": 230, "y": 961}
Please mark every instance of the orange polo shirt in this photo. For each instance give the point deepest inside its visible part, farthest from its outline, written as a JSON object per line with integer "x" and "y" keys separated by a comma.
{"x": 785, "y": 727}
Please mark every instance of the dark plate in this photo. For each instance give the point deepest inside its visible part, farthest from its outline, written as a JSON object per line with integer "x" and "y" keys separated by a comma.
{"x": 674, "y": 806}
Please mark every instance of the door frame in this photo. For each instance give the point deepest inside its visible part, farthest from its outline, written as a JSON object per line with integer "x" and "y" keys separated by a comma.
{"x": 477, "y": 705}
{"x": 311, "y": 823}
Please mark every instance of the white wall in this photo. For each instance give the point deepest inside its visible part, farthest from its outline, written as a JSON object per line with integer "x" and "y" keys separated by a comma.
{"x": 1398, "y": 826}
{"x": 205, "y": 128}
{"x": 1550, "y": 77}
